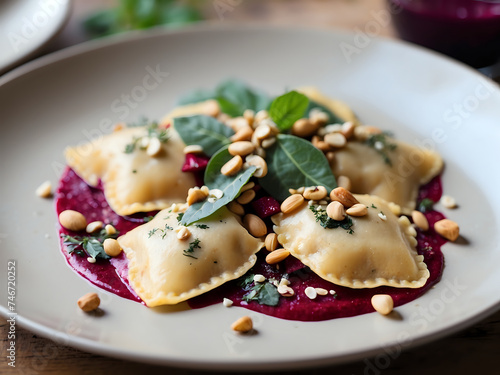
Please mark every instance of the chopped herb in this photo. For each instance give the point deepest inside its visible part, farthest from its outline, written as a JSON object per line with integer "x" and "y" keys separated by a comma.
{"x": 426, "y": 205}
{"x": 373, "y": 206}
{"x": 134, "y": 170}
{"x": 328, "y": 223}
{"x": 381, "y": 144}
{"x": 152, "y": 232}
{"x": 263, "y": 293}
{"x": 168, "y": 227}
{"x": 180, "y": 216}
{"x": 147, "y": 219}
{"x": 202, "y": 226}
{"x": 382, "y": 212}
{"x": 192, "y": 246}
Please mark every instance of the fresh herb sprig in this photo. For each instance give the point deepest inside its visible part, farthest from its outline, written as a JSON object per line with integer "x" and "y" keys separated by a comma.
{"x": 140, "y": 14}
{"x": 328, "y": 223}
{"x": 426, "y": 205}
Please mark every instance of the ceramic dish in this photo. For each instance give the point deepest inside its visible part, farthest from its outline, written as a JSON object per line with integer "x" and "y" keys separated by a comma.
{"x": 26, "y": 25}
{"x": 68, "y": 97}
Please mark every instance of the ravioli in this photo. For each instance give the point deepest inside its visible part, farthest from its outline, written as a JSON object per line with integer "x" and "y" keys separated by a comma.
{"x": 379, "y": 252}
{"x": 133, "y": 182}
{"x": 396, "y": 182}
{"x": 166, "y": 270}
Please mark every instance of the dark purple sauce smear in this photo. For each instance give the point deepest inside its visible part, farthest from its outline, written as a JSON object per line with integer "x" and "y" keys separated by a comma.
{"x": 74, "y": 193}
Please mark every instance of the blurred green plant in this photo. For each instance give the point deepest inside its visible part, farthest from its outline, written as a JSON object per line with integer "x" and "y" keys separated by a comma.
{"x": 141, "y": 14}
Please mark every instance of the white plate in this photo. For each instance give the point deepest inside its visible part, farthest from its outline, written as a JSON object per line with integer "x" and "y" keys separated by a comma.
{"x": 76, "y": 94}
{"x": 26, "y": 25}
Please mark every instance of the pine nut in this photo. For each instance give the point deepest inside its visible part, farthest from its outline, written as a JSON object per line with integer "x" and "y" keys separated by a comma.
{"x": 292, "y": 203}
{"x": 271, "y": 242}
{"x": 154, "y": 147}
{"x": 236, "y": 208}
{"x": 111, "y": 247}
{"x": 335, "y": 210}
{"x": 382, "y": 303}
{"x": 183, "y": 233}
{"x": 238, "y": 123}
{"x": 255, "y": 225}
{"x": 248, "y": 186}
{"x": 244, "y": 134}
{"x": 362, "y": 132}
{"x": 94, "y": 226}
{"x": 321, "y": 291}
{"x": 448, "y": 202}
{"x": 335, "y": 139}
{"x": 259, "y": 162}
{"x": 241, "y": 148}
{"x": 277, "y": 256}
{"x": 347, "y": 129}
{"x": 304, "y": 128}
{"x": 89, "y": 302}
{"x": 260, "y": 152}
{"x": 310, "y": 292}
{"x": 382, "y": 216}
{"x": 448, "y": 229}
{"x": 343, "y": 196}
{"x": 44, "y": 190}
{"x": 233, "y": 166}
{"x": 333, "y": 128}
{"x": 243, "y": 325}
{"x": 318, "y": 117}
{"x": 357, "y": 210}
{"x": 262, "y": 131}
{"x": 196, "y": 195}
{"x": 266, "y": 143}
{"x": 344, "y": 181}
{"x": 249, "y": 115}
{"x": 246, "y": 197}
{"x": 72, "y": 220}
{"x": 261, "y": 115}
{"x": 227, "y": 302}
{"x": 259, "y": 278}
{"x": 315, "y": 193}
{"x": 193, "y": 149}
{"x": 211, "y": 108}
{"x": 285, "y": 290}
{"x": 420, "y": 220}
{"x": 110, "y": 229}
{"x": 320, "y": 145}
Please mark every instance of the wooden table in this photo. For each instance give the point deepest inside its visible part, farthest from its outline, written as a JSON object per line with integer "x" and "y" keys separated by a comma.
{"x": 474, "y": 350}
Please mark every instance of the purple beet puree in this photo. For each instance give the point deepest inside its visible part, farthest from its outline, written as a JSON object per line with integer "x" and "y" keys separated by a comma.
{"x": 74, "y": 193}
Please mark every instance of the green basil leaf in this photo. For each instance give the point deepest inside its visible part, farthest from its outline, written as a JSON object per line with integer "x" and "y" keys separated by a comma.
{"x": 94, "y": 248}
{"x": 228, "y": 107}
{"x": 205, "y": 131}
{"x": 230, "y": 186}
{"x": 288, "y": 108}
{"x": 197, "y": 96}
{"x": 242, "y": 96}
{"x": 268, "y": 295}
{"x": 293, "y": 162}
{"x": 332, "y": 117}
{"x": 235, "y": 97}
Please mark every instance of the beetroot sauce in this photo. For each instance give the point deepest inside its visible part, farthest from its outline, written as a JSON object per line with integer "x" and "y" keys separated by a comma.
{"x": 74, "y": 193}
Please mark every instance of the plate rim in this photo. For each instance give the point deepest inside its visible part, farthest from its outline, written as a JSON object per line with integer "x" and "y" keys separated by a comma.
{"x": 100, "y": 348}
